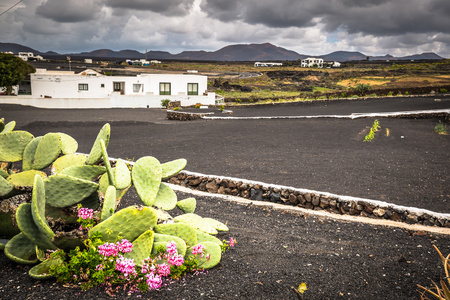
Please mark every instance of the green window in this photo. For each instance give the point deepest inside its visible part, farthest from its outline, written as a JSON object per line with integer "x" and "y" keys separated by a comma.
{"x": 192, "y": 88}
{"x": 83, "y": 87}
{"x": 164, "y": 88}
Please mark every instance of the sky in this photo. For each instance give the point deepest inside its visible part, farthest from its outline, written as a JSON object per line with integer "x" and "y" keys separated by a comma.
{"x": 311, "y": 27}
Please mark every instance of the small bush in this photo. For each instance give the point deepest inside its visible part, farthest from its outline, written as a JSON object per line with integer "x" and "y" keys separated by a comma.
{"x": 176, "y": 108}
{"x": 441, "y": 128}
{"x": 390, "y": 93}
{"x": 442, "y": 91}
{"x": 165, "y": 103}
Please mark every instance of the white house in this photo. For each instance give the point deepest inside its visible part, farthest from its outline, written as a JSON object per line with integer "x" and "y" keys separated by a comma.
{"x": 268, "y": 64}
{"x": 312, "y": 62}
{"x": 90, "y": 89}
{"x": 26, "y": 56}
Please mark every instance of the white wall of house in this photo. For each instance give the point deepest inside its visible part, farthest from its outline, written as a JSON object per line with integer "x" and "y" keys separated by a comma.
{"x": 311, "y": 62}
{"x": 135, "y": 91}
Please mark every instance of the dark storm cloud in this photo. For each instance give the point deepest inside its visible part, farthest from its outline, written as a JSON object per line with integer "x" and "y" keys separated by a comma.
{"x": 68, "y": 11}
{"x": 376, "y": 17}
{"x": 168, "y": 7}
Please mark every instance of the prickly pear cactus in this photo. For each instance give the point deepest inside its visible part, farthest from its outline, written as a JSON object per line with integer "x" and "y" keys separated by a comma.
{"x": 128, "y": 223}
{"x": 67, "y": 161}
{"x": 142, "y": 247}
{"x": 187, "y": 205}
{"x": 96, "y": 152}
{"x": 146, "y": 176}
{"x": 48, "y": 149}
{"x": 166, "y": 198}
{"x": 12, "y": 145}
{"x": 64, "y": 190}
{"x": 172, "y": 168}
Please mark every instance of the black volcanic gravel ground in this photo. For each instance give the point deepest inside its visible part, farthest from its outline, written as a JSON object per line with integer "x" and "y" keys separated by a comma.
{"x": 336, "y": 259}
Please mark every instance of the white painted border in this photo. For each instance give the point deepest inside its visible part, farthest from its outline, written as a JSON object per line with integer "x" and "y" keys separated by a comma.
{"x": 352, "y": 116}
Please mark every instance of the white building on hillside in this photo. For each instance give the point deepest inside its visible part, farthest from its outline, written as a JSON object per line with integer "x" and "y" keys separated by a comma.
{"x": 312, "y": 62}
{"x": 268, "y": 64}
{"x": 29, "y": 56}
{"x": 90, "y": 89}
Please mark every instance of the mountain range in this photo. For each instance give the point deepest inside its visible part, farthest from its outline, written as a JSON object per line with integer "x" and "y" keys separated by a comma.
{"x": 239, "y": 52}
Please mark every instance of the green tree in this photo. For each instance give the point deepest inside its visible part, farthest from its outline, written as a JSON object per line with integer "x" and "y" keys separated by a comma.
{"x": 12, "y": 71}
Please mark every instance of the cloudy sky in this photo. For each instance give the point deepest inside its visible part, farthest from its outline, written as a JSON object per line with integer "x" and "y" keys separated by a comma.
{"x": 314, "y": 27}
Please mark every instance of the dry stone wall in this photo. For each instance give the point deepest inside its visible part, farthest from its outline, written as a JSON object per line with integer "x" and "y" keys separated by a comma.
{"x": 310, "y": 200}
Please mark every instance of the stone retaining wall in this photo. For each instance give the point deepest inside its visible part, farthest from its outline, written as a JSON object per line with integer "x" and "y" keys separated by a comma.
{"x": 310, "y": 200}
{"x": 184, "y": 116}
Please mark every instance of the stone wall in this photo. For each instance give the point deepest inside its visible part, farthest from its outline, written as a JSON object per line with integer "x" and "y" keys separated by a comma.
{"x": 310, "y": 200}
{"x": 184, "y": 116}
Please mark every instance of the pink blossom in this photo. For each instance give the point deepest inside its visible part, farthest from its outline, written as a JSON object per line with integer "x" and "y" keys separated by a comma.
{"x": 198, "y": 249}
{"x": 125, "y": 265}
{"x": 172, "y": 248}
{"x": 124, "y": 246}
{"x": 176, "y": 260}
{"x": 153, "y": 281}
{"x": 232, "y": 241}
{"x": 85, "y": 213}
{"x": 99, "y": 267}
{"x": 108, "y": 249}
{"x": 163, "y": 270}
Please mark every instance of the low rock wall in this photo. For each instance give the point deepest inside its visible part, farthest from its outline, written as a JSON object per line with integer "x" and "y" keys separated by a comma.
{"x": 184, "y": 116}
{"x": 310, "y": 200}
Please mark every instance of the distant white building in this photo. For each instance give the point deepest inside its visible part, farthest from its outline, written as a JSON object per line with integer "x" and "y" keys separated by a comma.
{"x": 268, "y": 64}
{"x": 90, "y": 89}
{"x": 312, "y": 62}
{"x": 333, "y": 64}
{"x": 29, "y": 56}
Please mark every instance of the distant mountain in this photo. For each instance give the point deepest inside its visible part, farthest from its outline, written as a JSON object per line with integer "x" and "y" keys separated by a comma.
{"x": 344, "y": 56}
{"x": 16, "y": 48}
{"x": 427, "y": 55}
{"x": 239, "y": 52}
{"x": 249, "y": 52}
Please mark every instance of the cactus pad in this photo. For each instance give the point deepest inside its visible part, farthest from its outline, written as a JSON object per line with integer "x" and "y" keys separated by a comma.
{"x": 109, "y": 204}
{"x": 146, "y": 176}
{"x": 163, "y": 215}
{"x": 66, "y": 161}
{"x": 104, "y": 184}
{"x": 122, "y": 176}
{"x": 3, "y": 173}
{"x": 47, "y": 151}
{"x": 9, "y": 127}
{"x": 21, "y": 250}
{"x": 25, "y": 178}
{"x": 38, "y": 207}
{"x": 64, "y": 190}
{"x": 28, "y": 227}
{"x": 172, "y": 168}
{"x": 204, "y": 237}
{"x": 42, "y": 270}
{"x": 68, "y": 144}
{"x": 211, "y": 250}
{"x": 6, "y": 187}
{"x": 196, "y": 222}
{"x": 187, "y": 205}
{"x": 107, "y": 163}
{"x": 12, "y": 145}
{"x": 184, "y": 231}
{"x": 128, "y": 223}
{"x": 29, "y": 152}
{"x": 164, "y": 238}
{"x": 166, "y": 198}
{"x": 219, "y": 226}
{"x": 142, "y": 248}
{"x": 86, "y": 172}
{"x": 96, "y": 151}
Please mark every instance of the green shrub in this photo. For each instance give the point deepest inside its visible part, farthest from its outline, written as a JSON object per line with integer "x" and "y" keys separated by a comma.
{"x": 176, "y": 108}
{"x": 165, "y": 103}
{"x": 442, "y": 91}
{"x": 441, "y": 128}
